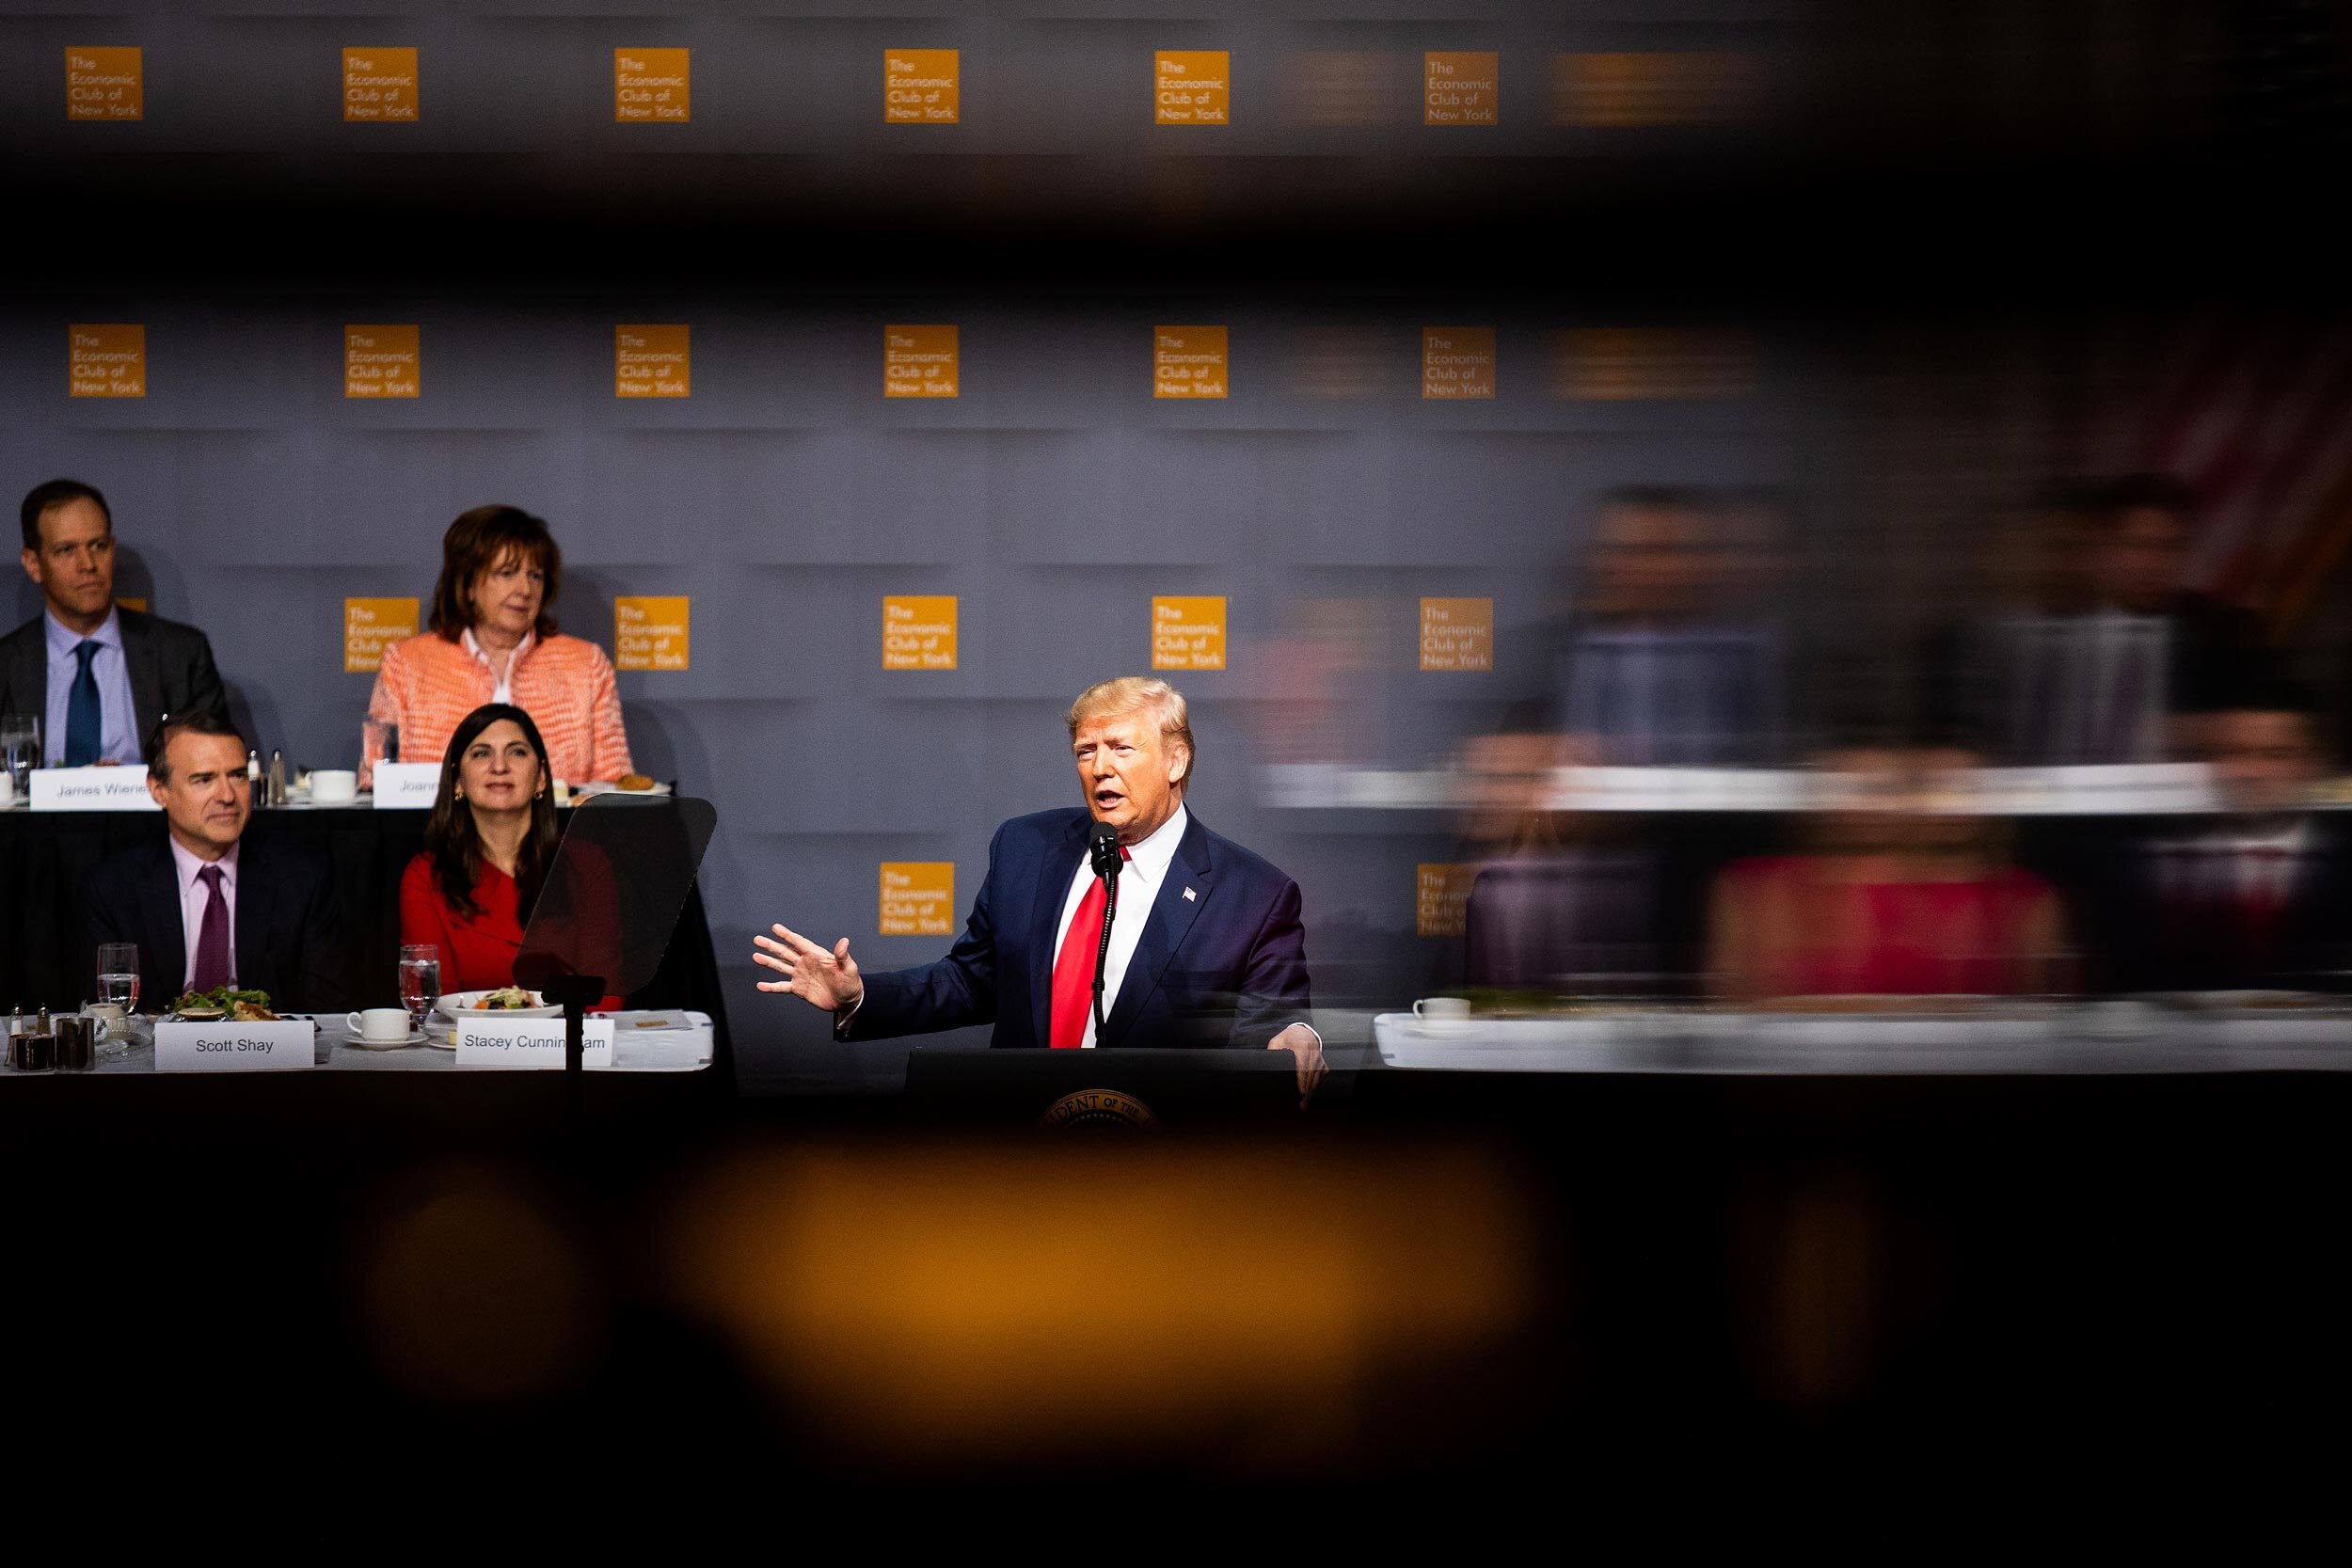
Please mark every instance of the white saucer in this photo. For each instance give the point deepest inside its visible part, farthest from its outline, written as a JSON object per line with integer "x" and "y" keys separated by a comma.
{"x": 361, "y": 1042}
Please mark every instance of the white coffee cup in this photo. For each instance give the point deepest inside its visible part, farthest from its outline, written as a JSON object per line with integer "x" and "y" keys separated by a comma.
{"x": 1444, "y": 1012}
{"x": 111, "y": 1014}
{"x": 334, "y": 786}
{"x": 381, "y": 1024}
{"x": 8, "y": 787}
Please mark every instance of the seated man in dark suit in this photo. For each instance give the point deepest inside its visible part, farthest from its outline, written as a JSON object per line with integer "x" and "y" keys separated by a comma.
{"x": 1205, "y": 948}
{"x": 206, "y": 908}
{"x": 97, "y": 675}
{"x": 2256, "y": 897}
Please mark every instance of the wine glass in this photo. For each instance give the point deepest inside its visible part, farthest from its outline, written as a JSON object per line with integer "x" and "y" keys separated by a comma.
{"x": 419, "y": 980}
{"x": 19, "y": 748}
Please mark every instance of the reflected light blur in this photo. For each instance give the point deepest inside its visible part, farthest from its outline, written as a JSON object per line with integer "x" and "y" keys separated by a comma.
{"x": 979, "y": 1304}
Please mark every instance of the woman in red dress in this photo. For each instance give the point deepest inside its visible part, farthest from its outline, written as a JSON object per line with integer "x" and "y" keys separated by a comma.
{"x": 487, "y": 847}
{"x": 1903, "y": 895}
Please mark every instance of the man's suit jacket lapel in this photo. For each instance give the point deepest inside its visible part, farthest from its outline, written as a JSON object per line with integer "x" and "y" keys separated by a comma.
{"x": 25, "y": 672}
{"x": 146, "y": 674}
{"x": 1163, "y": 932}
{"x": 1052, "y": 887}
{"x": 253, "y": 922}
{"x": 162, "y": 940}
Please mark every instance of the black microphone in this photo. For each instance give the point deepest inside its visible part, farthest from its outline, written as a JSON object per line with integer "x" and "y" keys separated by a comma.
{"x": 1103, "y": 849}
{"x": 1102, "y": 853}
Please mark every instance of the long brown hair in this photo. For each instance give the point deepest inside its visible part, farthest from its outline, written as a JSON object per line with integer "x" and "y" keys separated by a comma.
{"x": 476, "y": 541}
{"x": 450, "y": 837}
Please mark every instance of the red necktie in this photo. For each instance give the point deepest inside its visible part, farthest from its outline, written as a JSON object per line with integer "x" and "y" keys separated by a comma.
{"x": 1073, "y": 968}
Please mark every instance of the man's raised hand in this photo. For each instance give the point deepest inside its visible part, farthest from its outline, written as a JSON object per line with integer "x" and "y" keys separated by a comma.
{"x": 822, "y": 978}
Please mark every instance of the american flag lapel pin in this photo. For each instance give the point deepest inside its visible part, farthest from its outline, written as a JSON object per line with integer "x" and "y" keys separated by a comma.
{"x": 1188, "y": 896}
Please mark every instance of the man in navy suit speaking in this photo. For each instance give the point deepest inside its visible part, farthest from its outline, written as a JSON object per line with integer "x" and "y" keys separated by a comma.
{"x": 1205, "y": 945}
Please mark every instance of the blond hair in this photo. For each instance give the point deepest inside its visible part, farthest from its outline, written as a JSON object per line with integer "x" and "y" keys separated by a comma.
{"x": 1137, "y": 694}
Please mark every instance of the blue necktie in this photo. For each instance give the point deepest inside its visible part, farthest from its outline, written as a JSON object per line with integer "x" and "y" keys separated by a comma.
{"x": 80, "y": 711}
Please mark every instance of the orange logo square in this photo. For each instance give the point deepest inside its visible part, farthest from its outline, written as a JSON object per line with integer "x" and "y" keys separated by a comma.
{"x": 1188, "y": 361}
{"x": 918, "y": 631}
{"x": 1458, "y": 361}
{"x": 1192, "y": 86}
{"x": 651, "y": 362}
{"x": 918, "y": 898}
{"x": 380, "y": 84}
{"x": 650, "y": 631}
{"x": 1457, "y": 634}
{"x": 1641, "y": 364}
{"x": 1441, "y": 902}
{"x": 921, "y": 86}
{"x": 1188, "y": 633}
{"x": 1343, "y": 88}
{"x": 1687, "y": 87}
{"x": 105, "y": 84}
{"x": 380, "y": 362}
{"x": 919, "y": 361}
{"x": 1461, "y": 87}
{"x": 652, "y": 84}
{"x": 107, "y": 361}
{"x": 369, "y": 625}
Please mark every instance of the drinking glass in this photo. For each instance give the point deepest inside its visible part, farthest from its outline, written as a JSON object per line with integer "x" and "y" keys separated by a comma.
{"x": 379, "y": 742}
{"x": 19, "y": 748}
{"x": 419, "y": 980}
{"x": 119, "y": 983}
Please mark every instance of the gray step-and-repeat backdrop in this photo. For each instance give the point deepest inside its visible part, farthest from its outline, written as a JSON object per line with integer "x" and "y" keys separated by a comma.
{"x": 295, "y": 446}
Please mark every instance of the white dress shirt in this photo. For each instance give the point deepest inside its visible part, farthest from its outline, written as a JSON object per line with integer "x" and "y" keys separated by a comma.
{"x": 117, "y": 716}
{"x": 502, "y": 689}
{"x": 1139, "y": 877}
{"x": 194, "y": 897}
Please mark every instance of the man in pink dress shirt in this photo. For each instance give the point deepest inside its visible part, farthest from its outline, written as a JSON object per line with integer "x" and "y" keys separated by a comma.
{"x": 206, "y": 907}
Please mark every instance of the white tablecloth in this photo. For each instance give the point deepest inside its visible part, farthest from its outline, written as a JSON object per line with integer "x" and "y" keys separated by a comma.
{"x": 2123, "y": 1036}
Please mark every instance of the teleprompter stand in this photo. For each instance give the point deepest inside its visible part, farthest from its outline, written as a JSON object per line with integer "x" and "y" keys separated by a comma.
{"x": 608, "y": 905}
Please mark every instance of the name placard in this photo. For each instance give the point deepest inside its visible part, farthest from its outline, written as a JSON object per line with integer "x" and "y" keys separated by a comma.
{"x": 529, "y": 1042}
{"x": 407, "y": 785}
{"x": 285, "y": 1046}
{"x": 91, "y": 789}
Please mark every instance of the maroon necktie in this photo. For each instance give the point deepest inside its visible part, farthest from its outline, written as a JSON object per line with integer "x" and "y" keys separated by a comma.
{"x": 212, "y": 936}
